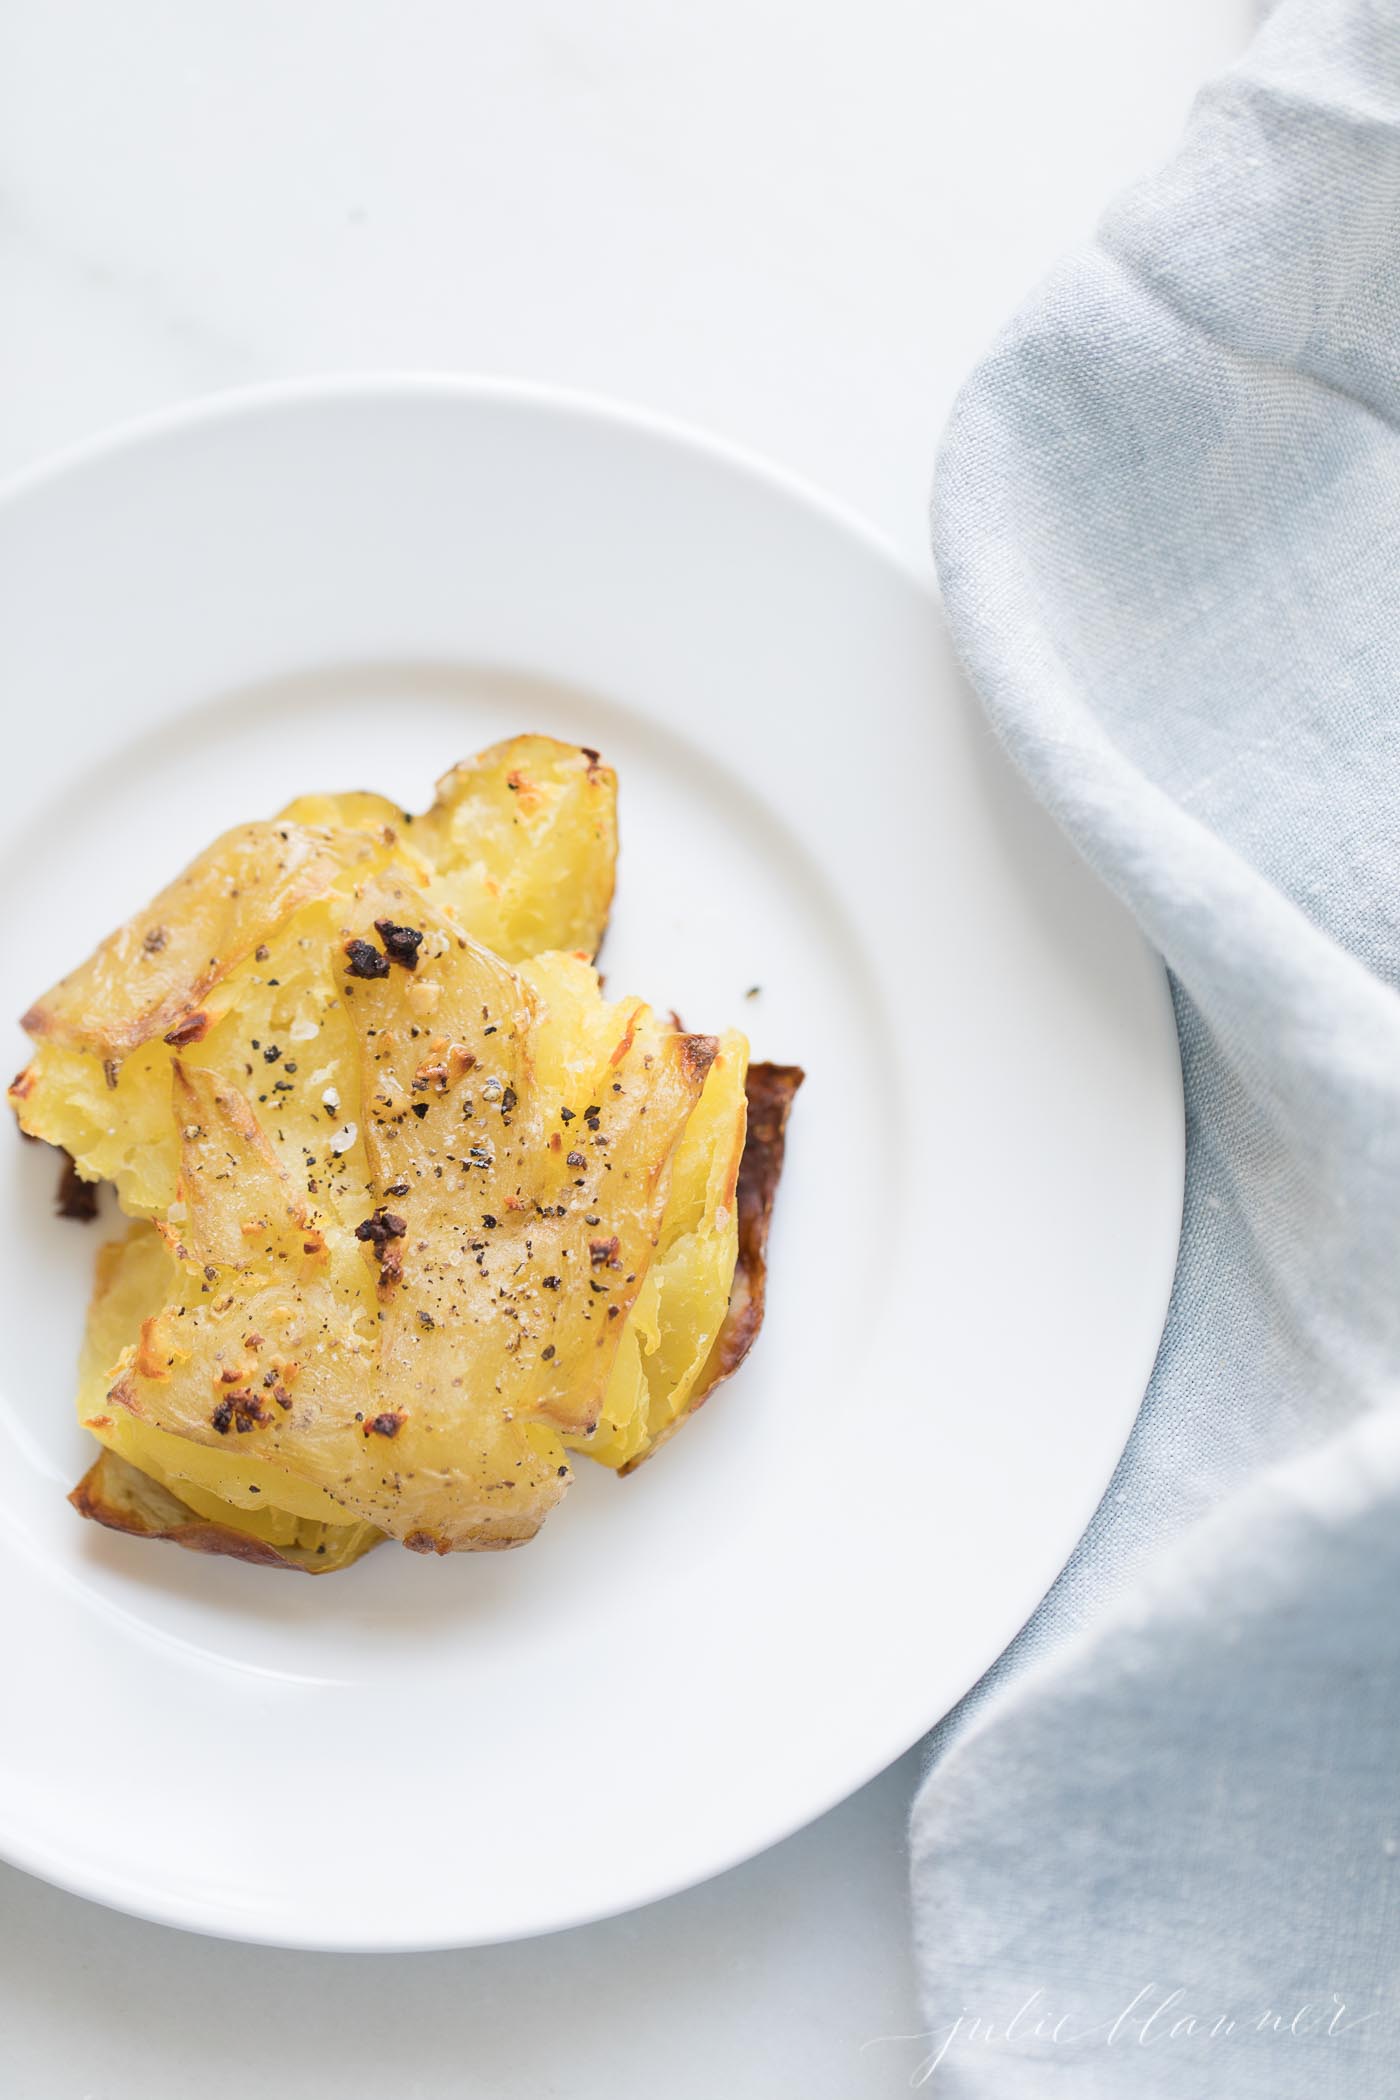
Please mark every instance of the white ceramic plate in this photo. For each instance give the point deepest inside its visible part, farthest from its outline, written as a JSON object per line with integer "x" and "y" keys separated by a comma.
{"x": 355, "y": 584}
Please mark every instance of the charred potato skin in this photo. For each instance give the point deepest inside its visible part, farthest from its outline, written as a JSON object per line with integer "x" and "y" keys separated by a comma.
{"x": 772, "y": 1089}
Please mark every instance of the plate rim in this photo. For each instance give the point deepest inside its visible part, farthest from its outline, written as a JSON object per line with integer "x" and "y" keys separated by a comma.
{"x": 227, "y": 404}
{"x": 380, "y": 387}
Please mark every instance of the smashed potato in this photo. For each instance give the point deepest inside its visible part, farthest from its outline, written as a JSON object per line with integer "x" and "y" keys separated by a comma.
{"x": 418, "y": 1215}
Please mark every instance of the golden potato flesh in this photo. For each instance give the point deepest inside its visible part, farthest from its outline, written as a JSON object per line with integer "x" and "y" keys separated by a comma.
{"x": 426, "y": 1213}
{"x": 221, "y": 955}
{"x": 153, "y": 1484}
{"x": 520, "y": 844}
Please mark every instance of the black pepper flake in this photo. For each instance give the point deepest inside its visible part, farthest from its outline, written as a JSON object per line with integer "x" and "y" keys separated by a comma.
{"x": 387, "y": 1424}
{"x": 551, "y": 1283}
{"x": 420, "y": 1109}
{"x": 365, "y": 960}
{"x": 489, "y": 1222}
{"x": 575, "y": 1159}
{"x": 397, "y": 1188}
{"x": 508, "y": 1100}
{"x": 547, "y": 1351}
{"x": 479, "y": 1156}
{"x": 382, "y": 1226}
{"x": 260, "y": 954}
{"x": 591, "y": 1115}
{"x": 401, "y": 943}
{"x": 426, "y": 1320}
{"x": 271, "y": 1054}
{"x": 289, "y": 1066}
{"x": 562, "y": 1471}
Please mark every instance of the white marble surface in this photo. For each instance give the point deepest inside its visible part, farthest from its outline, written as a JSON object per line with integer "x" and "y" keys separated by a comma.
{"x": 793, "y": 223}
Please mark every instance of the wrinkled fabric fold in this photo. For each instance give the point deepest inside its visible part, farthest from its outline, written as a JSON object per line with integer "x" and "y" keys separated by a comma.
{"x": 1167, "y": 528}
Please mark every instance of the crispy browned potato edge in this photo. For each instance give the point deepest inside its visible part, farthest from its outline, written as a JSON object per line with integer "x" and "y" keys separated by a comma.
{"x": 770, "y": 1089}
{"x": 117, "y": 1494}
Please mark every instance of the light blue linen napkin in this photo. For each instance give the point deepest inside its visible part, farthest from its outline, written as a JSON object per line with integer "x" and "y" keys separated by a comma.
{"x": 1158, "y": 1851}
